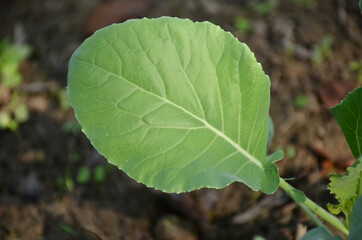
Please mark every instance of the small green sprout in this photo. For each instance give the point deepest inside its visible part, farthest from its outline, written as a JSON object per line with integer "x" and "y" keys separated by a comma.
{"x": 68, "y": 180}
{"x": 290, "y": 49}
{"x": 301, "y": 101}
{"x": 243, "y": 24}
{"x": 11, "y": 55}
{"x": 63, "y": 100}
{"x": 101, "y": 171}
{"x": 65, "y": 183}
{"x": 290, "y": 151}
{"x": 12, "y": 110}
{"x": 66, "y": 228}
{"x": 323, "y": 50}
{"x": 264, "y": 7}
{"x": 84, "y": 175}
{"x": 356, "y": 66}
{"x": 98, "y": 174}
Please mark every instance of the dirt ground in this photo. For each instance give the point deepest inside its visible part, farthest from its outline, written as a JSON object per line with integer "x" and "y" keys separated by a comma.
{"x": 40, "y": 197}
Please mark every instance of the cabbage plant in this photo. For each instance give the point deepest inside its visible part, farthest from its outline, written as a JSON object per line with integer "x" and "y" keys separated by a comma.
{"x": 181, "y": 105}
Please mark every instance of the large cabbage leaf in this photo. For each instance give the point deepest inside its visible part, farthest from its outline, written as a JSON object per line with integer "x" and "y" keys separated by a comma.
{"x": 177, "y": 105}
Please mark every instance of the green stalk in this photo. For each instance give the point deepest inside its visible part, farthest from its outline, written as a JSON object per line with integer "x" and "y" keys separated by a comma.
{"x": 314, "y": 218}
{"x": 302, "y": 200}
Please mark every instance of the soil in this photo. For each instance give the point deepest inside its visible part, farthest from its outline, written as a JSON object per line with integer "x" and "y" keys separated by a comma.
{"x": 40, "y": 161}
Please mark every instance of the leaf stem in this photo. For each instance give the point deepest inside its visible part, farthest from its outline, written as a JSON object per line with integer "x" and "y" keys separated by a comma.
{"x": 306, "y": 203}
{"x": 309, "y": 212}
{"x": 314, "y": 218}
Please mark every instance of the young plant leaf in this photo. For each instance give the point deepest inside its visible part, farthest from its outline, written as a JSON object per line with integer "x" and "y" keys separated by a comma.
{"x": 320, "y": 233}
{"x": 275, "y": 156}
{"x": 355, "y": 231}
{"x": 349, "y": 117}
{"x": 177, "y": 105}
{"x": 347, "y": 188}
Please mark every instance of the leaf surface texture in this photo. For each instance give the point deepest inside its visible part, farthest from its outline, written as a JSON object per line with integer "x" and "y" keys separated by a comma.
{"x": 355, "y": 231}
{"x": 349, "y": 117}
{"x": 320, "y": 233}
{"x": 177, "y": 105}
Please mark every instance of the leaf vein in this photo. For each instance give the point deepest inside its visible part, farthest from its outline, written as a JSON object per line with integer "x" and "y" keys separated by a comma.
{"x": 187, "y": 77}
{"x": 221, "y": 134}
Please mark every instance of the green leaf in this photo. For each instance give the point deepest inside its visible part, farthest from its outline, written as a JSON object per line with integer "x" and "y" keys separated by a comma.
{"x": 15, "y": 53}
{"x": 84, "y": 175}
{"x": 355, "y": 231}
{"x": 301, "y": 101}
{"x": 243, "y": 24}
{"x": 10, "y": 58}
{"x": 68, "y": 229}
{"x": 349, "y": 117}
{"x": 100, "y": 174}
{"x": 320, "y": 233}
{"x": 270, "y": 134}
{"x": 177, "y": 105}
{"x": 263, "y": 8}
{"x": 346, "y": 188}
{"x": 276, "y": 156}
{"x": 21, "y": 113}
{"x": 68, "y": 180}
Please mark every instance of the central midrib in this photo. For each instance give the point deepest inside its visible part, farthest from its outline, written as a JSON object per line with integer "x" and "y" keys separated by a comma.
{"x": 216, "y": 131}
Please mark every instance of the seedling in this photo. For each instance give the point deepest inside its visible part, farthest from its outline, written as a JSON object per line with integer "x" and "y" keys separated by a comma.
{"x": 68, "y": 180}
{"x": 12, "y": 110}
{"x": 264, "y": 7}
{"x": 323, "y": 50}
{"x": 290, "y": 152}
{"x": 301, "y": 101}
{"x": 243, "y": 24}
{"x": 356, "y": 67}
{"x": 11, "y": 56}
{"x": 84, "y": 175}
{"x": 181, "y": 105}
{"x": 98, "y": 175}
{"x": 63, "y": 100}
{"x": 290, "y": 49}
{"x": 66, "y": 228}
